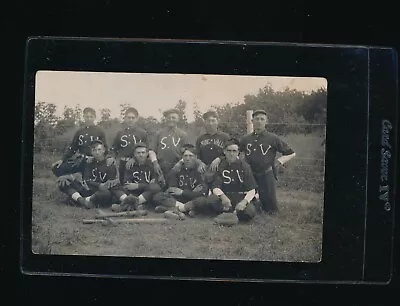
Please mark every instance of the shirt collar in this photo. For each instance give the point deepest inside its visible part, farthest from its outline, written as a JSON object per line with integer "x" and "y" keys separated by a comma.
{"x": 264, "y": 132}
{"x": 212, "y": 134}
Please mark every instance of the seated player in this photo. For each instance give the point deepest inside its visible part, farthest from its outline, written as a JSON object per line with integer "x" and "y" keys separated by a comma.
{"x": 90, "y": 187}
{"x": 184, "y": 185}
{"x": 233, "y": 188}
{"x": 139, "y": 183}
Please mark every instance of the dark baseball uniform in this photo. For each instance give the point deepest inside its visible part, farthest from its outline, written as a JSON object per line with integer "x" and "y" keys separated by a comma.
{"x": 93, "y": 175}
{"x": 187, "y": 179}
{"x": 167, "y": 144}
{"x": 124, "y": 143}
{"x": 145, "y": 176}
{"x": 260, "y": 152}
{"x": 210, "y": 146}
{"x": 83, "y": 139}
{"x": 80, "y": 145}
{"x": 234, "y": 179}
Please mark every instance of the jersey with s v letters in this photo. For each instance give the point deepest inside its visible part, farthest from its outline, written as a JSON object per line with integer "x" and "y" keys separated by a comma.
{"x": 140, "y": 174}
{"x": 167, "y": 144}
{"x": 98, "y": 172}
{"x": 126, "y": 139}
{"x": 260, "y": 149}
{"x": 234, "y": 177}
{"x": 82, "y": 141}
{"x": 188, "y": 179}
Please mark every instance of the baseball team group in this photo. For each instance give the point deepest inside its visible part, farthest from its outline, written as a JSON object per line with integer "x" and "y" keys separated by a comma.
{"x": 170, "y": 173}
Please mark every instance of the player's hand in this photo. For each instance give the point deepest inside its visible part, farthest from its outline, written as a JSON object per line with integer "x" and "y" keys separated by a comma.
{"x": 57, "y": 163}
{"x": 198, "y": 188}
{"x": 132, "y": 186}
{"x": 111, "y": 183}
{"x": 226, "y": 203}
{"x": 110, "y": 161}
{"x": 130, "y": 163}
{"x": 77, "y": 177}
{"x": 215, "y": 163}
{"x": 175, "y": 191}
{"x": 89, "y": 159}
{"x": 177, "y": 167}
{"x": 64, "y": 180}
{"x": 241, "y": 205}
{"x": 202, "y": 168}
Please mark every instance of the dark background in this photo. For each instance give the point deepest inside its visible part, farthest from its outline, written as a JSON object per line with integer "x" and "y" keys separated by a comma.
{"x": 320, "y": 22}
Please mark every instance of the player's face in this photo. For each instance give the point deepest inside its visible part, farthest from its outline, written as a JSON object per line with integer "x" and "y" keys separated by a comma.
{"x": 259, "y": 122}
{"x": 141, "y": 155}
{"x": 130, "y": 119}
{"x": 231, "y": 153}
{"x": 211, "y": 124}
{"x": 98, "y": 152}
{"x": 172, "y": 120}
{"x": 188, "y": 159}
{"x": 89, "y": 118}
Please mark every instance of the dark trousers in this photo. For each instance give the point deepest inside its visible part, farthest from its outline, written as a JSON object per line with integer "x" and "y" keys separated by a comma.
{"x": 168, "y": 201}
{"x": 267, "y": 191}
{"x": 121, "y": 170}
{"x": 213, "y": 205}
{"x": 148, "y": 192}
{"x": 99, "y": 197}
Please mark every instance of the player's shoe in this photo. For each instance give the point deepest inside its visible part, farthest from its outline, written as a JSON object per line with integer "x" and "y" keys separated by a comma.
{"x": 192, "y": 213}
{"x": 160, "y": 209}
{"x": 85, "y": 203}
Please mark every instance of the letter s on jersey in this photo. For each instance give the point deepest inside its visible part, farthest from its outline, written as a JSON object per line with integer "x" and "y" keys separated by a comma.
{"x": 124, "y": 142}
{"x": 248, "y": 147}
{"x": 162, "y": 141}
{"x": 227, "y": 177}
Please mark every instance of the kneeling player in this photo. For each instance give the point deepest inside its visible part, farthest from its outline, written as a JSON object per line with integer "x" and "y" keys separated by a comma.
{"x": 90, "y": 187}
{"x": 233, "y": 188}
{"x": 185, "y": 185}
{"x": 139, "y": 182}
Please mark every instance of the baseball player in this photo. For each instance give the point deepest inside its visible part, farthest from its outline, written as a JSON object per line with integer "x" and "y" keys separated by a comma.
{"x": 168, "y": 142}
{"x": 259, "y": 149}
{"x": 233, "y": 189}
{"x": 139, "y": 183}
{"x": 186, "y": 185}
{"x": 80, "y": 146}
{"x": 125, "y": 141}
{"x": 90, "y": 187}
{"x": 209, "y": 145}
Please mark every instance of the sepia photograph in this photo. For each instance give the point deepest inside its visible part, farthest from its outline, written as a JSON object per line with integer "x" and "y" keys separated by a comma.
{"x": 226, "y": 167}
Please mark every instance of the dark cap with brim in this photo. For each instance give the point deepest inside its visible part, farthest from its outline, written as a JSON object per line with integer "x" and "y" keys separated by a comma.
{"x": 139, "y": 145}
{"x": 210, "y": 113}
{"x": 232, "y": 141}
{"x": 188, "y": 147}
{"x": 258, "y": 112}
{"x": 96, "y": 142}
{"x": 171, "y": 111}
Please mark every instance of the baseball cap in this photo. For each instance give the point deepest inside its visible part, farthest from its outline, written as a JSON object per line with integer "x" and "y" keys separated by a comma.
{"x": 139, "y": 145}
{"x": 210, "y": 113}
{"x": 171, "y": 111}
{"x": 259, "y": 111}
{"x": 96, "y": 142}
{"x": 232, "y": 141}
{"x": 188, "y": 147}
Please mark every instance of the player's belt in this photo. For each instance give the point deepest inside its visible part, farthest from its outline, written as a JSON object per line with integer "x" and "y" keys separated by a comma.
{"x": 235, "y": 192}
{"x": 263, "y": 171}
{"x": 125, "y": 158}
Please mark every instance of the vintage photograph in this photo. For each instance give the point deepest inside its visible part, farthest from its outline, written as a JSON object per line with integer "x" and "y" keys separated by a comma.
{"x": 190, "y": 166}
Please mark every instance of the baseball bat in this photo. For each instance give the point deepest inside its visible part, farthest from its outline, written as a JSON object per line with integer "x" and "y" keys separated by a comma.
{"x": 136, "y": 220}
{"x": 134, "y": 213}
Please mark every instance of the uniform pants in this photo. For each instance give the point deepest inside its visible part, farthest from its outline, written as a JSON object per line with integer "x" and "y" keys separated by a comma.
{"x": 99, "y": 197}
{"x": 267, "y": 191}
{"x": 213, "y": 205}
{"x": 167, "y": 200}
{"x": 148, "y": 192}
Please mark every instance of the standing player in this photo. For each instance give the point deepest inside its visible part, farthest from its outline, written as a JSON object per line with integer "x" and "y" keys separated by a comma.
{"x": 233, "y": 189}
{"x": 90, "y": 187}
{"x": 125, "y": 141}
{"x": 259, "y": 149}
{"x": 139, "y": 183}
{"x": 185, "y": 185}
{"x": 80, "y": 144}
{"x": 168, "y": 142}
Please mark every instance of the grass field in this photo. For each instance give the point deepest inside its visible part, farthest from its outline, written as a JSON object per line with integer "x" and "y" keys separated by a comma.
{"x": 294, "y": 234}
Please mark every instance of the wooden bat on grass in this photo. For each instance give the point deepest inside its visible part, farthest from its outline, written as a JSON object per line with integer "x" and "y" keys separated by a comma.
{"x": 131, "y": 220}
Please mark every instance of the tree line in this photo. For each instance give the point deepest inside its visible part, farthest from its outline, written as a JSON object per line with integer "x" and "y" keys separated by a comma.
{"x": 289, "y": 111}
